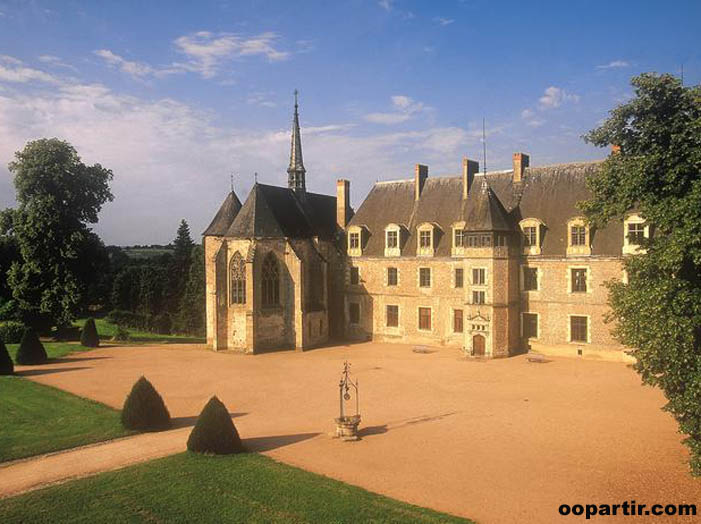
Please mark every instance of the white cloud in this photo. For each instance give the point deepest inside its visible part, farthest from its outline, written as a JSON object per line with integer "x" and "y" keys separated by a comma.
{"x": 555, "y": 97}
{"x": 56, "y": 61}
{"x": 260, "y": 99}
{"x": 527, "y": 113}
{"x": 385, "y": 4}
{"x": 16, "y": 72}
{"x": 404, "y": 108}
{"x": 614, "y": 65}
{"x": 443, "y": 21}
{"x": 206, "y": 51}
{"x": 135, "y": 69}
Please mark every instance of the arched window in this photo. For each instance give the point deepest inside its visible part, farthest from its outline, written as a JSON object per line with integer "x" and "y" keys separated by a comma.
{"x": 237, "y": 275}
{"x": 271, "y": 280}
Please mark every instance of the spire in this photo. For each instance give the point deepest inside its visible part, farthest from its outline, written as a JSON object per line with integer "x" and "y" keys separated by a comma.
{"x": 296, "y": 170}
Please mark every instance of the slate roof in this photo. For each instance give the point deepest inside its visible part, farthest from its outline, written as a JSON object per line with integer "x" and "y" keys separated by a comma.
{"x": 494, "y": 203}
{"x": 277, "y": 212}
{"x": 225, "y": 216}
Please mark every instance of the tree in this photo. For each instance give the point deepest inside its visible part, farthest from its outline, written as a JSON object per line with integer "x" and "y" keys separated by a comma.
{"x": 9, "y": 253}
{"x": 31, "y": 351}
{"x": 657, "y": 173}
{"x": 177, "y": 276}
{"x": 89, "y": 337}
{"x": 58, "y": 196}
{"x": 214, "y": 431}
{"x": 7, "y": 367}
{"x": 144, "y": 408}
{"x": 191, "y": 314}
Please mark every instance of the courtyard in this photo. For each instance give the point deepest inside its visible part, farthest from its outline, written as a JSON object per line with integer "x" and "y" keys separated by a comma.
{"x": 496, "y": 441}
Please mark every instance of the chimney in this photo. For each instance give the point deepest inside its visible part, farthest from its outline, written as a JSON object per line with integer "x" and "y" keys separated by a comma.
{"x": 342, "y": 202}
{"x": 521, "y": 161}
{"x": 615, "y": 149}
{"x": 469, "y": 168}
{"x": 420, "y": 176}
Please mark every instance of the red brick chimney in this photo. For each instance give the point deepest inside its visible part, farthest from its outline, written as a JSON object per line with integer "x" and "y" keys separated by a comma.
{"x": 469, "y": 168}
{"x": 521, "y": 162}
{"x": 615, "y": 149}
{"x": 420, "y": 176}
{"x": 342, "y": 202}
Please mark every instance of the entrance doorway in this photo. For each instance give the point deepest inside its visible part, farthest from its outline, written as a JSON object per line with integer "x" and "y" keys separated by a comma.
{"x": 478, "y": 345}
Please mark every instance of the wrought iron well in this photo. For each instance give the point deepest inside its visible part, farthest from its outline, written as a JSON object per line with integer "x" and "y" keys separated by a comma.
{"x": 347, "y": 425}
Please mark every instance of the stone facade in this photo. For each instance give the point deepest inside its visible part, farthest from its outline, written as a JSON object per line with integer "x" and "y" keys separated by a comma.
{"x": 493, "y": 264}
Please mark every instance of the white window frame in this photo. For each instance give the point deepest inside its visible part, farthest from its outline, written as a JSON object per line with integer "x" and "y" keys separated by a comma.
{"x": 577, "y": 250}
{"x": 589, "y": 280}
{"x": 426, "y": 251}
{"x": 539, "y": 231}
{"x": 418, "y": 319}
{"x": 393, "y": 251}
{"x": 355, "y": 251}
{"x": 537, "y": 324}
{"x": 628, "y": 247}
{"x": 430, "y": 277}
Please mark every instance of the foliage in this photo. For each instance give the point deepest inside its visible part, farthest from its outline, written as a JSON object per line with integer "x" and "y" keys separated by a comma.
{"x": 658, "y": 174}
{"x": 88, "y": 337}
{"x": 58, "y": 196}
{"x": 191, "y": 314}
{"x": 39, "y": 419}
{"x": 9, "y": 310}
{"x": 214, "y": 431}
{"x": 179, "y": 267}
{"x": 31, "y": 351}
{"x": 127, "y": 318}
{"x": 161, "y": 324}
{"x": 9, "y": 253}
{"x": 11, "y": 332}
{"x": 121, "y": 334}
{"x": 144, "y": 408}
{"x": 7, "y": 367}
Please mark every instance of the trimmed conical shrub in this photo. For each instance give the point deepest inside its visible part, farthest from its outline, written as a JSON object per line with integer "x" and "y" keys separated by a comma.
{"x": 89, "y": 337}
{"x": 31, "y": 350}
{"x": 214, "y": 431}
{"x": 6, "y": 365}
{"x": 144, "y": 408}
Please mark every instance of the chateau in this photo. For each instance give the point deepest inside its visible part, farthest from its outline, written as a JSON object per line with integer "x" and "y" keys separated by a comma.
{"x": 491, "y": 263}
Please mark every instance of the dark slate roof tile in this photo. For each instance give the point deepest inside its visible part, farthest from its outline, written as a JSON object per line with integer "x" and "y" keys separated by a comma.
{"x": 225, "y": 216}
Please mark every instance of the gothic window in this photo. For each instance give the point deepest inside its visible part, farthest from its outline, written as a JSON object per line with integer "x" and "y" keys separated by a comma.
{"x": 237, "y": 272}
{"x": 270, "y": 278}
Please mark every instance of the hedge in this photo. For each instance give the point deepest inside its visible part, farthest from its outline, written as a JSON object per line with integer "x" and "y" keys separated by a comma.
{"x": 11, "y": 332}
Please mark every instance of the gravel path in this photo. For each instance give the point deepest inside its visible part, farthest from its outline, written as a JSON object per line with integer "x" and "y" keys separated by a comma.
{"x": 496, "y": 441}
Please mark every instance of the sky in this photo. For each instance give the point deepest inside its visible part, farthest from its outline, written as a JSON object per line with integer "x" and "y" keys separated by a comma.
{"x": 176, "y": 97}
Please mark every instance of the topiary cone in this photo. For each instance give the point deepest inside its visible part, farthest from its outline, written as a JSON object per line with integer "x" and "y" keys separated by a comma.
{"x": 214, "y": 431}
{"x": 7, "y": 367}
{"x": 31, "y": 350}
{"x": 144, "y": 408}
{"x": 89, "y": 337}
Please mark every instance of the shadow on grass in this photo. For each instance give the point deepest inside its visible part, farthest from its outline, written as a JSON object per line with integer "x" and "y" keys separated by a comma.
{"x": 183, "y": 422}
{"x": 70, "y": 358}
{"x": 37, "y": 372}
{"x": 156, "y": 340}
{"x": 279, "y": 441}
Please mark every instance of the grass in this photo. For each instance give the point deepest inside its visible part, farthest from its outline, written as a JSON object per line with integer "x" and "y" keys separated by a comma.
{"x": 107, "y": 330}
{"x": 53, "y": 349}
{"x": 195, "y": 488}
{"x": 37, "y": 419}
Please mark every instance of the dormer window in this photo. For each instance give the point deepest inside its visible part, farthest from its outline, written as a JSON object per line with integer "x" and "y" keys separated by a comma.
{"x": 425, "y": 239}
{"x": 635, "y": 231}
{"x": 392, "y": 240}
{"x": 578, "y": 237}
{"x": 459, "y": 239}
{"x": 532, "y": 230}
{"x": 356, "y": 238}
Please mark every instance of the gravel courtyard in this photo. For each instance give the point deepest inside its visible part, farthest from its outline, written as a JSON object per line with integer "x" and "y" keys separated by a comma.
{"x": 496, "y": 441}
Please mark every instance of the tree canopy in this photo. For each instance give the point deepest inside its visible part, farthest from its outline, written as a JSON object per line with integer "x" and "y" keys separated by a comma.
{"x": 657, "y": 173}
{"x": 60, "y": 257}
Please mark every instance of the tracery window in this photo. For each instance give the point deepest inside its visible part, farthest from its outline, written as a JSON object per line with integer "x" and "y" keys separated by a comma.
{"x": 270, "y": 278}
{"x": 237, "y": 272}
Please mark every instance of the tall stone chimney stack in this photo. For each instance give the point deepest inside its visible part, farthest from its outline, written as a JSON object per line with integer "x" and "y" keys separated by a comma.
{"x": 420, "y": 176}
{"x": 469, "y": 168}
{"x": 521, "y": 162}
{"x": 342, "y": 202}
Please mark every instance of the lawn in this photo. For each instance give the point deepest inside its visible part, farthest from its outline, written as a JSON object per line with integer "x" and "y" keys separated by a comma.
{"x": 38, "y": 419}
{"x": 107, "y": 330}
{"x": 196, "y": 488}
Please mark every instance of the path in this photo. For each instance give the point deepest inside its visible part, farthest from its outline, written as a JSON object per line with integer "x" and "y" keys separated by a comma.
{"x": 497, "y": 441}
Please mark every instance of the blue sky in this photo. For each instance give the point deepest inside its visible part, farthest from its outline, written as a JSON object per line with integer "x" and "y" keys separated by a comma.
{"x": 174, "y": 97}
